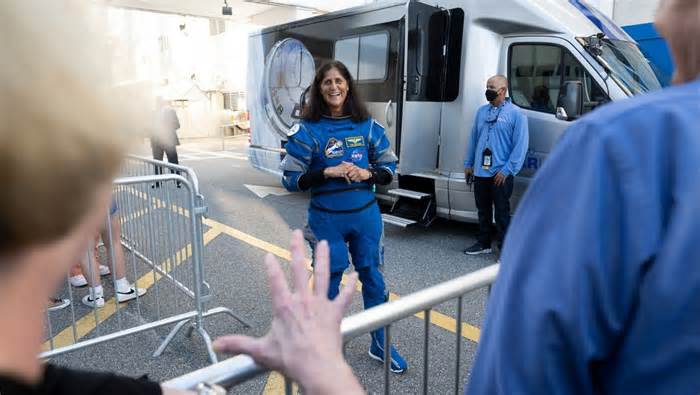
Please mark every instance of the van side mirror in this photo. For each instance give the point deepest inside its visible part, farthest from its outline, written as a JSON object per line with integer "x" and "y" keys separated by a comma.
{"x": 570, "y": 103}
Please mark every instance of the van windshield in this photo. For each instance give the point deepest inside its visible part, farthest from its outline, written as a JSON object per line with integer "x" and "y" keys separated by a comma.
{"x": 624, "y": 62}
{"x": 629, "y": 67}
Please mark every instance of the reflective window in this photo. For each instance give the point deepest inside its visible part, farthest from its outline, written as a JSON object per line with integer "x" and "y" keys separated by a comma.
{"x": 373, "y": 56}
{"x": 365, "y": 56}
{"x": 347, "y": 51}
{"x": 537, "y": 73}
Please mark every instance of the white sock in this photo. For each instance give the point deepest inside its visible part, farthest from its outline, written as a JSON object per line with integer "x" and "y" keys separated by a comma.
{"x": 96, "y": 292}
{"x": 122, "y": 285}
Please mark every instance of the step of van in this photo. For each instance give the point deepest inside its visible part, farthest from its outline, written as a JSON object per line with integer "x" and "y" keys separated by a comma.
{"x": 409, "y": 194}
{"x": 398, "y": 221}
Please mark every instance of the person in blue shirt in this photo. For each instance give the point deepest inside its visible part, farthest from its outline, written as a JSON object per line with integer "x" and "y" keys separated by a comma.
{"x": 598, "y": 290}
{"x": 496, "y": 152}
{"x": 339, "y": 152}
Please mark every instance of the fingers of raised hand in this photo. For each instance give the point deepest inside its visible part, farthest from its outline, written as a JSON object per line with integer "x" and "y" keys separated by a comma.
{"x": 321, "y": 269}
{"x": 278, "y": 285}
{"x": 239, "y": 344}
{"x": 298, "y": 263}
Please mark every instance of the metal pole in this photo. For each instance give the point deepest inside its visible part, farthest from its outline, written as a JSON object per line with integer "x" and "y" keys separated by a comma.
{"x": 458, "y": 346}
{"x": 425, "y": 350}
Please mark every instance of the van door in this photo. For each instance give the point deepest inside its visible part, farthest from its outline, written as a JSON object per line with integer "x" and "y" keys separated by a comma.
{"x": 433, "y": 50}
{"x": 537, "y": 67}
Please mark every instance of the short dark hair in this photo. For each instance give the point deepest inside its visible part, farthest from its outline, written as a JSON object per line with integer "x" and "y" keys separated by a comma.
{"x": 316, "y": 106}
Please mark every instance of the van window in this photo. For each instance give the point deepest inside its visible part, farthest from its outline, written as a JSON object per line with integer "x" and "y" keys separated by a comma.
{"x": 537, "y": 72}
{"x": 347, "y": 51}
{"x": 365, "y": 56}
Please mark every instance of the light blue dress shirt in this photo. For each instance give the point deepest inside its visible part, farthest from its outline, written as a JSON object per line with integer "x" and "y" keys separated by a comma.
{"x": 504, "y": 131}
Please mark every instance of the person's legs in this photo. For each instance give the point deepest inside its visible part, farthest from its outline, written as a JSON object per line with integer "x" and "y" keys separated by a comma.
{"x": 112, "y": 240}
{"x": 322, "y": 227}
{"x": 366, "y": 250}
{"x": 91, "y": 271}
{"x": 483, "y": 197}
{"x": 171, "y": 153}
{"x": 158, "y": 151}
{"x": 334, "y": 285}
{"x": 501, "y": 200}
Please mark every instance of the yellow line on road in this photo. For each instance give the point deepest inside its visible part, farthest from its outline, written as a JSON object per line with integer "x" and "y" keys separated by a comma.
{"x": 436, "y": 318}
{"x": 275, "y": 385}
{"x": 88, "y": 323}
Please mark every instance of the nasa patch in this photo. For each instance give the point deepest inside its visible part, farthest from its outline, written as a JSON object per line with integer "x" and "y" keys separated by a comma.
{"x": 334, "y": 148}
{"x": 293, "y": 130}
{"x": 356, "y": 155}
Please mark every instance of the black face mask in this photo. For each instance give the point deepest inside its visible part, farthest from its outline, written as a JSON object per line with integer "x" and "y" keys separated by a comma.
{"x": 491, "y": 95}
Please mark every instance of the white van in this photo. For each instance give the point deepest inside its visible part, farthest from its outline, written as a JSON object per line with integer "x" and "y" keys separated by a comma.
{"x": 422, "y": 69}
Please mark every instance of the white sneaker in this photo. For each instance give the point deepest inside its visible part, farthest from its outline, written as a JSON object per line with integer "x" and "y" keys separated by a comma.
{"x": 77, "y": 281}
{"x": 104, "y": 270}
{"x": 131, "y": 294}
{"x": 98, "y": 302}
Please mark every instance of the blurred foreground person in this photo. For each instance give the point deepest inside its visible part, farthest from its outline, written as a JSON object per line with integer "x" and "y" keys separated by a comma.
{"x": 57, "y": 165}
{"x": 598, "y": 289}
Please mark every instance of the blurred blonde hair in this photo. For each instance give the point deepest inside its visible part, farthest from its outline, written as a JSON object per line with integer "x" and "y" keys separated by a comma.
{"x": 62, "y": 131}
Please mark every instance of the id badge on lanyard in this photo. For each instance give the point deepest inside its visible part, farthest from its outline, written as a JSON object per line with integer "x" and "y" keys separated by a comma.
{"x": 487, "y": 159}
{"x": 487, "y": 155}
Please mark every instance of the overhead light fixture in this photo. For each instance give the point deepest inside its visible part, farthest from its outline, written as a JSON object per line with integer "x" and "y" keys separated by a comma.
{"x": 226, "y": 10}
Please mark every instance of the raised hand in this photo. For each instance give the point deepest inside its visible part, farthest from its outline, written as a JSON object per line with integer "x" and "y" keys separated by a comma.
{"x": 304, "y": 341}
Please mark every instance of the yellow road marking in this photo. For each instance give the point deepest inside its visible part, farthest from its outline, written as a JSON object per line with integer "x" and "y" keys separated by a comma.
{"x": 88, "y": 323}
{"x": 436, "y": 318}
{"x": 275, "y": 385}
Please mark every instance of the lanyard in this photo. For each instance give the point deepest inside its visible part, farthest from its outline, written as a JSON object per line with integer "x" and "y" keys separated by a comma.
{"x": 493, "y": 123}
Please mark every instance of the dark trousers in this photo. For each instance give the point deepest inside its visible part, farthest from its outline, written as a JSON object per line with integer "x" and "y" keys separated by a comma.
{"x": 171, "y": 152}
{"x": 492, "y": 199}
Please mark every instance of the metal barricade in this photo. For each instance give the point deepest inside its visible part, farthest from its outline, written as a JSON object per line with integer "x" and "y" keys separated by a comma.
{"x": 155, "y": 239}
{"x": 239, "y": 369}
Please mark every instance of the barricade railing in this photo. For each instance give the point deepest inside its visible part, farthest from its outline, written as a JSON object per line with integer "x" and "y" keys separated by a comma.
{"x": 236, "y": 370}
{"x": 153, "y": 236}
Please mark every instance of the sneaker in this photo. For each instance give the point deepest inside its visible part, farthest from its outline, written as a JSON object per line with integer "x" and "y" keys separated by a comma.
{"x": 376, "y": 351}
{"x": 104, "y": 270}
{"x": 58, "y": 304}
{"x": 477, "y": 249}
{"x": 77, "y": 281}
{"x": 131, "y": 294}
{"x": 96, "y": 303}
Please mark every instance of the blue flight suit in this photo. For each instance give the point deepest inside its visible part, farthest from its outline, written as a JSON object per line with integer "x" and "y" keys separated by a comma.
{"x": 341, "y": 213}
{"x": 344, "y": 214}
{"x": 599, "y": 291}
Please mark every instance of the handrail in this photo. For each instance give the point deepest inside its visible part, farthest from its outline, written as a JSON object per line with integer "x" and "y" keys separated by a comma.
{"x": 240, "y": 368}
{"x": 184, "y": 169}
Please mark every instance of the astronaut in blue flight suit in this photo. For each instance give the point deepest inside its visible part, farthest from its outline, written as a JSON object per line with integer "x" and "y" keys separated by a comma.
{"x": 338, "y": 153}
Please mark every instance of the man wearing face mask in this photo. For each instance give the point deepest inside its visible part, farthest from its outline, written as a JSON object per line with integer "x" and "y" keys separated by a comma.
{"x": 496, "y": 153}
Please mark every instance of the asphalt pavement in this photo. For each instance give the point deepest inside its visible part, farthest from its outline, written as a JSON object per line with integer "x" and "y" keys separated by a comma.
{"x": 258, "y": 215}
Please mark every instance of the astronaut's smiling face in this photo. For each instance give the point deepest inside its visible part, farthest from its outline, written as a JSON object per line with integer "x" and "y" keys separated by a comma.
{"x": 334, "y": 89}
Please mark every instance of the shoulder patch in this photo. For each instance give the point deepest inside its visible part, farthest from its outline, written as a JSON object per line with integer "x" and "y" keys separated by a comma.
{"x": 293, "y": 130}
